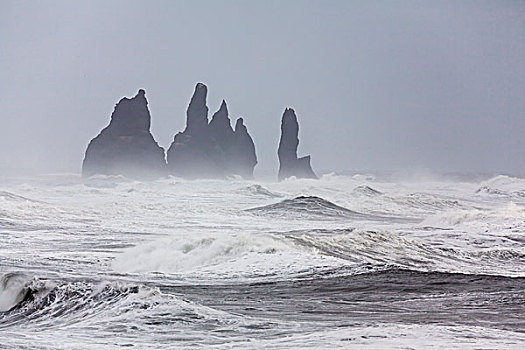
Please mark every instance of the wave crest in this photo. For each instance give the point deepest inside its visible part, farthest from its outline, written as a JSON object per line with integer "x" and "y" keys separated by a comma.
{"x": 305, "y": 206}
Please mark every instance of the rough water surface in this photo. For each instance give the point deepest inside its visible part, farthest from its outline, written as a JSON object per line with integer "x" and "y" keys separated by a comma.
{"x": 340, "y": 262}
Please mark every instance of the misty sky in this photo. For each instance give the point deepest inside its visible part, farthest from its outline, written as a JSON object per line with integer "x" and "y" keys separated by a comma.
{"x": 377, "y": 85}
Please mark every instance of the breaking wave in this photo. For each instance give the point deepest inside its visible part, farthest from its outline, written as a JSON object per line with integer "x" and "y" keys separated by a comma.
{"x": 503, "y": 186}
{"x": 391, "y": 249}
{"x": 260, "y": 191}
{"x": 366, "y": 191}
{"x": 426, "y": 201}
{"x": 453, "y": 218}
{"x": 296, "y": 251}
{"x": 24, "y": 299}
{"x": 106, "y": 181}
{"x": 198, "y": 252}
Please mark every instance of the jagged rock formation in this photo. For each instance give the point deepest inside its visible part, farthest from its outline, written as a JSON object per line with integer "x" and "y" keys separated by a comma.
{"x": 126, "y": 146}
{"x": 214, "y": 149}
{"x": 243, "y": 158}
{"x": 289, "y": 164}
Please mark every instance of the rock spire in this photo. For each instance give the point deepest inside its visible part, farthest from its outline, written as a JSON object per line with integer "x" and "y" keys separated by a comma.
{"x": 211, "y": 149}
{"x": 289, "y": 164}
{"x": 126, "y": 146}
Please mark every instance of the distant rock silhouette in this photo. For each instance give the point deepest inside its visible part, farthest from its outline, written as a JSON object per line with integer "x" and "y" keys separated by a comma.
{"x": 126, "y": 146}
{"x": 289, "y": 164}
{"x": 214, "y": 149}
{"x": 243, "y": 158}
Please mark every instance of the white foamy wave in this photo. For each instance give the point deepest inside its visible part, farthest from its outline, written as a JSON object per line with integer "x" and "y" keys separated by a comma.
{"x": 512, "y": 210}
{"x": 259, "y": 190}
{"x": 363, "y": 177}
{"x": 13, "y": 287}
{"x": 11, "y": 197}
{"x": 188, "y": 253}
{"x": 367, "y": 191}
{"x": 426, "y": 201}
{"x": 452, "y": 218}
{"x": 106, "y": 181}
{"x": 456, "y": 217}
{"x": 503, "y": 185}
{"x": 358, "y": 247}
{"x": 44, "y": 304}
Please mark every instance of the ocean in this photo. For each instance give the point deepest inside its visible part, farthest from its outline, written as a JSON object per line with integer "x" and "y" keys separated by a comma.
{"x": 349, "y": 262}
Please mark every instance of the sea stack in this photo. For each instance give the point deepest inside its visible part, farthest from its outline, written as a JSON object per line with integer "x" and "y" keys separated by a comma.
{"x": 289, "y": 164}
{"x": 214, "y": 149}
{"x": 126, "y": 146}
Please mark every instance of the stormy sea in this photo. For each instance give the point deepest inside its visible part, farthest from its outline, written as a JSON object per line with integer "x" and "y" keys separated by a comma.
{"x": 345, "y": 262}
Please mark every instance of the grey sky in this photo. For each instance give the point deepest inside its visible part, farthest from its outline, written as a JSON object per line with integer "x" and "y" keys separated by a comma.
{"x": 385, "y": 85}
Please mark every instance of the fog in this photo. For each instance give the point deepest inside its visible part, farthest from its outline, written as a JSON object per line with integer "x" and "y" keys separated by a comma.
{"x": 377, "y": 86}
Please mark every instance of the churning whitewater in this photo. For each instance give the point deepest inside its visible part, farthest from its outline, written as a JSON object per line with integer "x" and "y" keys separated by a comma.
{"x": 340, "y": 262}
